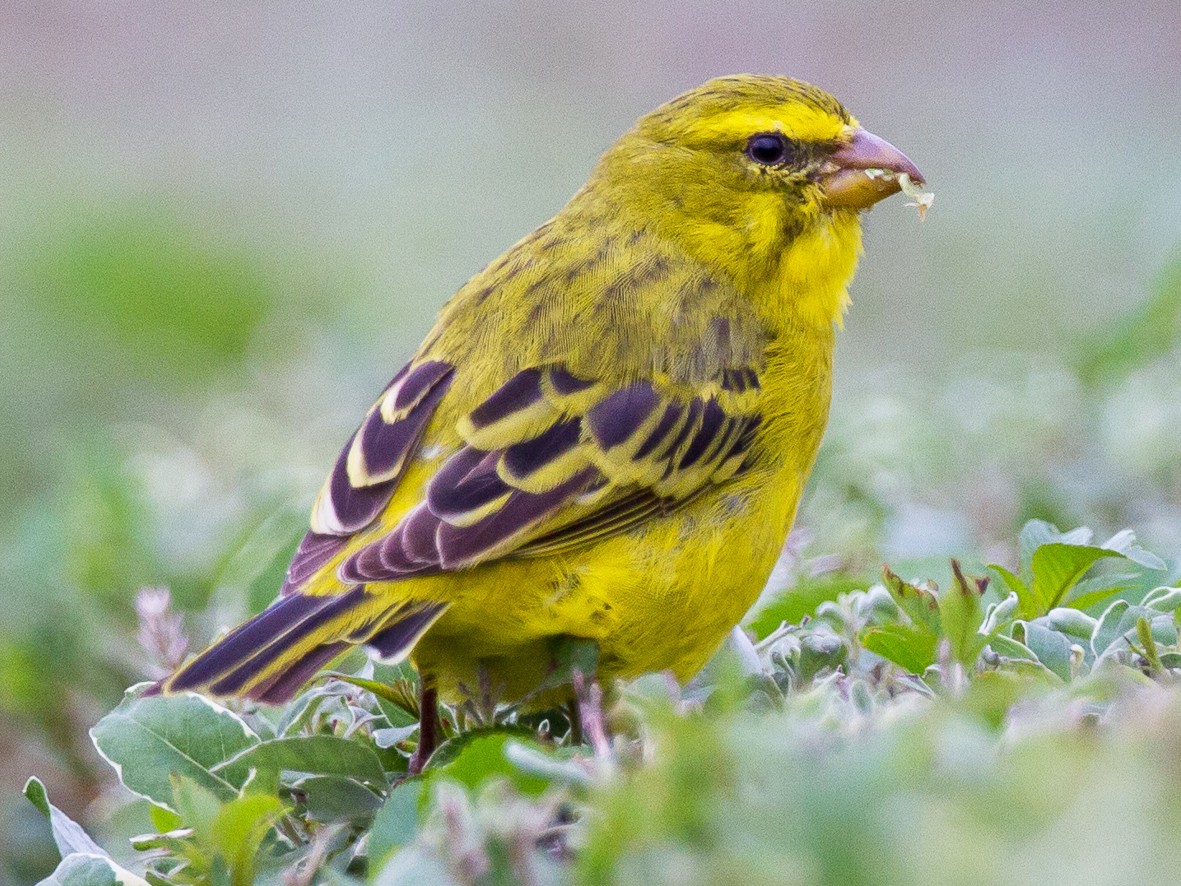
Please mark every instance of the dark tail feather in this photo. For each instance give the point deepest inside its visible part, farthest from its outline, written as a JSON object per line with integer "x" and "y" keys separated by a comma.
{"x": 395, "y": 640}
{"x": 288, "y": 683}
{"x": 271, "y": 656}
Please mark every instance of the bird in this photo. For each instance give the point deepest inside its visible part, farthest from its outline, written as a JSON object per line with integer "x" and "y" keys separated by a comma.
{"x": 605, "y": 436}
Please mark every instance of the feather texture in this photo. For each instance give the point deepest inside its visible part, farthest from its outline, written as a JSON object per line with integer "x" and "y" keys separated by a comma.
{"x": 605, "y": 434}
{"x": 639, "y": 450}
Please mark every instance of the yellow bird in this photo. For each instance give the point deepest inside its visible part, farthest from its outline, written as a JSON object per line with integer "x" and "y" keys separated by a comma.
{"x": 606, "y": 434}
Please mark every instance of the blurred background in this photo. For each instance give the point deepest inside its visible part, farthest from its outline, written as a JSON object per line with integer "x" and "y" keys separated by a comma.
{"x": 223, "y": 226}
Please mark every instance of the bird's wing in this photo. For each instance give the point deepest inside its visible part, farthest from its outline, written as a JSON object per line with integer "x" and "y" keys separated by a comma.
{"x": 370, "y": 466}
{"x": 550, "y": 461}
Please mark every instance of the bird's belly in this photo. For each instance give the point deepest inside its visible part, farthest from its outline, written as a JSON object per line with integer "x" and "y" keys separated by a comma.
{"x": 659, "y": 599}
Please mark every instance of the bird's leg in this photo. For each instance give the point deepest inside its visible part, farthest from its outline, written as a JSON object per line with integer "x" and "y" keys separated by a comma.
{"x": 428, "y": 727}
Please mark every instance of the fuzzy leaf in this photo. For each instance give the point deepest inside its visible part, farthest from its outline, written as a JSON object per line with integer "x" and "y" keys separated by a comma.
{"x": 1119, "y": 626}
{"x": 392, "y": 697}
{"x": 311, "y": 754}
{"x": 396, "y": 822}
{"x": 83, "y": 869}
{"x": 1124, "y": 543}
{"x": 1107, "y": 628}
{"x": 1162, "y": 599}
{"x": 1007, "y": 647}
{"x": 336, "y": 798}
{"x": 1016, "y": 586}
{"x": 148, "y": 740}
{"x": 415, "y": 866}
{"x": 998, "y": 615}
{"x": 1071, "y": 622}
{"x": 1051, "y": 648}
{"x": 67, "y": 833}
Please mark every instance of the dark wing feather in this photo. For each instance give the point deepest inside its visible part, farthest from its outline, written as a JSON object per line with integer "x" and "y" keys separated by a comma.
{"x": 369, "y": 467}
{"x": 553, "y": 461}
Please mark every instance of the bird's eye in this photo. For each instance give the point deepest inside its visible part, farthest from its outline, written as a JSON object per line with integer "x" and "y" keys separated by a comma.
{"x": 769, "y": 149}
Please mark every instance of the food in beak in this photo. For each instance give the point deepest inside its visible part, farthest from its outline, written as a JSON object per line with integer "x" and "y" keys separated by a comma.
{"x": 867, "y": 169}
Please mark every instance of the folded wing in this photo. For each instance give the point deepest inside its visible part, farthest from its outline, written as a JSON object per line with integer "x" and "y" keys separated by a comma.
{"x": 552, "y": 461}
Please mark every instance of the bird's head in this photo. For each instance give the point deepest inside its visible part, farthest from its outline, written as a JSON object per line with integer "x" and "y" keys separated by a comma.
{"x": 743, "y": 169}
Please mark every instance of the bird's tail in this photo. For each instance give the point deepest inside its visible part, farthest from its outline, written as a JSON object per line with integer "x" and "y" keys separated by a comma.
{"x": 271, "y": 656}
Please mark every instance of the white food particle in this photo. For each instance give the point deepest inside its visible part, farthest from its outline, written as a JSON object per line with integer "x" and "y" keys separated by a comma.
{"x": 922, "y": 199}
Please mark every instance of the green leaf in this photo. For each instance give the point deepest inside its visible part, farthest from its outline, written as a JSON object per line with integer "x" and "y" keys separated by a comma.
{"x": 312, "y": 754}
{"x": 1056, "y": 561}
{"x": 476, "y": 757}
{"x": 1051, "y": 648}
{"x": 197, "y": 806}
{"x": 919, "y": 603}
{"x": 330, "y": 798}
{"x": 67, "y": 834}
{"x": 1028, "y": 607}
{"x": 1087, "y": 599}
{"x": 148, "y": 740}
{"x": 961, "y": 612}
{"x": 562, "y": 766}
{"x": 238, "y": 831}
{"x": 1056, "y": 569}
{"x": 909, "y": 647}
{"x": 82, "y": 869}
{"x": 396, "y": 822}
{"x": 791, "y": 605}
{"x": 162, "y": 819}
{"x": 1007, "y": 647}
{"x": 1036, "y": 533}
{"x": 1162, "y": 599}
{"x": 1107, "y": 629}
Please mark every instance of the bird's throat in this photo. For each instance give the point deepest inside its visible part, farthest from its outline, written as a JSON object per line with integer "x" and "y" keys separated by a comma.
{"x": 810, "y": 283}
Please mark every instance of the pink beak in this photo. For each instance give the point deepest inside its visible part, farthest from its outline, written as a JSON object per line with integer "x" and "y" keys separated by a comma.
{"x": 845, "y": 182}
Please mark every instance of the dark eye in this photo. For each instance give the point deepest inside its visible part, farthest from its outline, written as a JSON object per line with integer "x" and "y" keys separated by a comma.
{"x": 769, "y": 149}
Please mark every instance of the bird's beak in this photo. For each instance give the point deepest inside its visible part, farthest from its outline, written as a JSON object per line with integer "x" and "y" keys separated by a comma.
{"x": 862, "y": 171}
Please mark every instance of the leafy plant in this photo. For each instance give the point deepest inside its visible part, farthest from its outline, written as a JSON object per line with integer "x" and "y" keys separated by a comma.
{"x": 1053, "y": 562}
{"x": 788, "y": 760}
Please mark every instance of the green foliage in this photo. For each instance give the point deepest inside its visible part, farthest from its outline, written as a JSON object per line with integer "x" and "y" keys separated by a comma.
{"x": 1053, "y": 562}
{"x": 83, "y": 862}
{"x": 951, "y": 734}
{"x": 1141, "y": 336}
{"x": 152, "y": 740}
{"x": 156, "y": 292}
{"x": 898, "y": 733}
